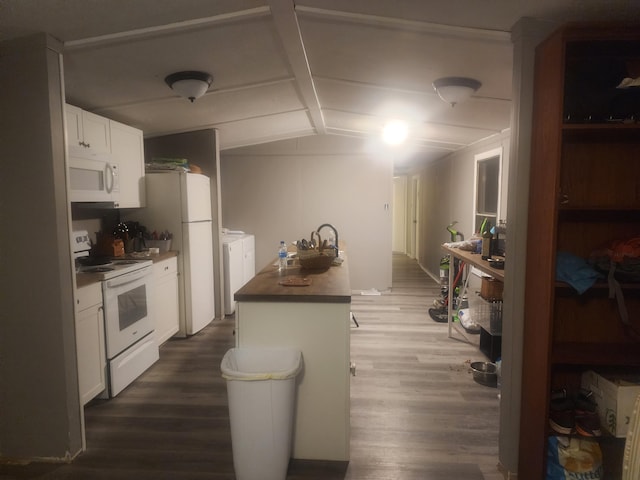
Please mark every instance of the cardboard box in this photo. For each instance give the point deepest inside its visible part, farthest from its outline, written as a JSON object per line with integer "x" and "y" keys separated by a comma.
{"x": 491, "y": 289}
{"x": 616, "y": 395}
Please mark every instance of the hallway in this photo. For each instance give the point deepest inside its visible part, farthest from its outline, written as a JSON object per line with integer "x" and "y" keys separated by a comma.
{"x": 416, "y": 413}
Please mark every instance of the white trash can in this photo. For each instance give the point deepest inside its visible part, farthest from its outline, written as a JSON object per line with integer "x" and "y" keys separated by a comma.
{"x": 261, "y": 390}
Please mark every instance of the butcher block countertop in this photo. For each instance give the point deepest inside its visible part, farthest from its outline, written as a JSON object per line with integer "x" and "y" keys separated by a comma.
{"x": 84, "y": 279}
{"x": 329, "y": 286}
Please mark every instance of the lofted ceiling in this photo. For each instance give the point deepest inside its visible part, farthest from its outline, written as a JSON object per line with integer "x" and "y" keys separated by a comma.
{"x": 285, "y": 69}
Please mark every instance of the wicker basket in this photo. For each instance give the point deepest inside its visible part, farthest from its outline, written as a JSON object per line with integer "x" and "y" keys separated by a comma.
{"x": 316, "y": 258}
{"x": 320, "y": 261}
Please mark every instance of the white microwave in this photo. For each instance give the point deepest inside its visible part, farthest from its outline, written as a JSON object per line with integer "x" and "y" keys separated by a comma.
{"x": 93, "y": 178}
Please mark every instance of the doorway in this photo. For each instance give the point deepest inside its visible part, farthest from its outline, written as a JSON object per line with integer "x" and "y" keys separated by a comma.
{"x": 406, "y": 215}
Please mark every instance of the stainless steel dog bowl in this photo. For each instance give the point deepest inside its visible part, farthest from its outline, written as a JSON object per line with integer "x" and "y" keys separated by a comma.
{"x": 485, "y": 373}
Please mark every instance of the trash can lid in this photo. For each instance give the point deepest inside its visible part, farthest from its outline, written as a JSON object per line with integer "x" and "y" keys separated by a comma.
{"x": 261, "y": 363}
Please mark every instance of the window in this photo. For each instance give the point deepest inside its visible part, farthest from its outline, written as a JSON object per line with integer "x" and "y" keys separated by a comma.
{"x": 487, "y": 188}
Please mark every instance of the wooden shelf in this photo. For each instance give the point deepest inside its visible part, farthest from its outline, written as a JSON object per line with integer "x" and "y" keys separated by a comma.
{"x": 596, "y": 354}
{"x": 617, "y": 127}
{"x": 475, "y": 260}
{"x": 583, "y": 193}
{"x": 598, "y": 286}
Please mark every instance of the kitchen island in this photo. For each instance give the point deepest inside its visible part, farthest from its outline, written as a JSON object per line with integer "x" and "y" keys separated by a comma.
{"x": 311, "y": 314}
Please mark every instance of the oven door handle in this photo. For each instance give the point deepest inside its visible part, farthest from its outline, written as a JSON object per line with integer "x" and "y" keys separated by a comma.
{"x": 127, "y": 278}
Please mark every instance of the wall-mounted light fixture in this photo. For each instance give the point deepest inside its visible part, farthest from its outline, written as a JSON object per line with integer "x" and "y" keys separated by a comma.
{"x": 454, "y": 90}
{"x": 189, "y": 84}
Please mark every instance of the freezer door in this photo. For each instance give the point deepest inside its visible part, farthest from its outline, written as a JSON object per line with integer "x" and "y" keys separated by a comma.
{"x": 198, "y": 276}
{"x": 196, "y": 198}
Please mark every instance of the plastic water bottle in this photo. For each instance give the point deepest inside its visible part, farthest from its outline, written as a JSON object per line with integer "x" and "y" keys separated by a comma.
{"x": 282, "y": 257}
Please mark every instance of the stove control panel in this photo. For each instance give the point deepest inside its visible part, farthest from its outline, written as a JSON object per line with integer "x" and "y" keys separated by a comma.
{"x": 80, "y": 241}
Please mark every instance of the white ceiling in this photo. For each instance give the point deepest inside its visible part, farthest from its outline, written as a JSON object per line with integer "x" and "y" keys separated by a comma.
{"x": 285, "y": 69}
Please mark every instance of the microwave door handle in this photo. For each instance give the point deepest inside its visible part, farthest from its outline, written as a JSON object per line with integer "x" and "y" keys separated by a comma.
{"x": 128, "y": 278}
{"x": 109, "y": 173}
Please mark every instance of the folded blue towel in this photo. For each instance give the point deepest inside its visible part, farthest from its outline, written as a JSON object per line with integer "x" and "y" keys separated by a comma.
{"x": 575, "y": 271}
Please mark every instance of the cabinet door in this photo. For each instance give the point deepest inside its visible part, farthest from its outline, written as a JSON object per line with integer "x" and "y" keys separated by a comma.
{"x": 95, "y": 132}
{"x": 165, "y": 306}
{"x": 86, "y": 132}
{"x": 127, "y": 152}
{"x": 90, "y": 352}
{"x": 74, "y": 126}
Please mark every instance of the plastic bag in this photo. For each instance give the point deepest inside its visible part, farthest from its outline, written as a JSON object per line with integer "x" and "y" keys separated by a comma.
{"x": 573, "y": 458}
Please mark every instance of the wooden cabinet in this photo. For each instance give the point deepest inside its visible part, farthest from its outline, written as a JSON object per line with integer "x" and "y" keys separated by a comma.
{"x": 584, "y": 192}
{"x": 165, "y": 305}
{"x": 90, "y": 348}
{"x": 87, "y": 131}
{"x": 127, "y": 151}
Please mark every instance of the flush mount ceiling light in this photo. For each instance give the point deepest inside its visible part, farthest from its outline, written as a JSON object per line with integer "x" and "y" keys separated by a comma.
{"x": 454, "y": 90}
{"x": 189, "y": 84}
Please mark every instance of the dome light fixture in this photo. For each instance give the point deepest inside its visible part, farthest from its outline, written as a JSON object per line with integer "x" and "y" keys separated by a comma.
{"x": 189, "y": 84}
{"x": 454, "y": 90}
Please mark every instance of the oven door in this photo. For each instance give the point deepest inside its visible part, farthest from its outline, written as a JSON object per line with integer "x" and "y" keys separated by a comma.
{"x": 126, "y": 310}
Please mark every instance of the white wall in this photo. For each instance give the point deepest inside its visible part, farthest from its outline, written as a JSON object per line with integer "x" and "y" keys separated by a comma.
{"x": 285, "y": 190}
{"x": 40, "y": 411}
{"x": 446, "y": 195}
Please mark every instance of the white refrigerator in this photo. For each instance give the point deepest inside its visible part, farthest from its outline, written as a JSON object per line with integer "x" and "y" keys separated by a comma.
{"x": 181, "y": 203}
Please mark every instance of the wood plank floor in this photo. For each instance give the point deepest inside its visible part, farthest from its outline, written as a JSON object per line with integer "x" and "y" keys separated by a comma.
{"x": 416, "y": 412}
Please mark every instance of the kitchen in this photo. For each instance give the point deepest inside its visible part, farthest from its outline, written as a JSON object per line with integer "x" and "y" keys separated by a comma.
{"x": 47, "y": 213}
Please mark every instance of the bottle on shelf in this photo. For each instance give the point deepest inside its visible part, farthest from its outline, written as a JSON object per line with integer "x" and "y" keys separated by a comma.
{"x": 282, "y": 257}
{"x": 487, "y": 238}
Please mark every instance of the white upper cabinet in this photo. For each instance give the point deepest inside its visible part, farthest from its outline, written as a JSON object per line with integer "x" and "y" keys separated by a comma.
{"x": 89, "y": 134}
{"x": 87, "y": 131}
{"x": 127, "y": 151}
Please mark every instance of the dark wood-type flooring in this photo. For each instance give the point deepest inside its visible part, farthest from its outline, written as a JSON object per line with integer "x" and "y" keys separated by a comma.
{"x": 416, "y": 413}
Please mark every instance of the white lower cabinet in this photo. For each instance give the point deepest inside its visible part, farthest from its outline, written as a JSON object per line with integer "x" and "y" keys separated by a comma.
{"x": 90, "y": 342}
{"x": 165, "y": 305}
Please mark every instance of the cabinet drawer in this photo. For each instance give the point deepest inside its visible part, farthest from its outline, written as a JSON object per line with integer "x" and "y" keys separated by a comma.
{"x": 166, "y": 267}
{"x": 88, "y": 296}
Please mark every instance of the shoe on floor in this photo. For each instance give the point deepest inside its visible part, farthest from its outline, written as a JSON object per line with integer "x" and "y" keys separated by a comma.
{"x": 586, "y": 417}
{"x": 561, "y": 412}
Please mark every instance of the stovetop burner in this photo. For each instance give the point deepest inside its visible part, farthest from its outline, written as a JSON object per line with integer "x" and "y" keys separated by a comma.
{"x": 114, "y": 267}
{"x": 98, "y": 269}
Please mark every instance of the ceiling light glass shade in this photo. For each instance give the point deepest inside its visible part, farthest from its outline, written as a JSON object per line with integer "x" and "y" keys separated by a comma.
{"x": 454, "y": 90}
{"x": 190, "y": 85}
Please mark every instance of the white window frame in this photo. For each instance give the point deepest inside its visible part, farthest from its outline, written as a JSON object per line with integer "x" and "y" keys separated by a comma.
{"x": 479, "y": 158}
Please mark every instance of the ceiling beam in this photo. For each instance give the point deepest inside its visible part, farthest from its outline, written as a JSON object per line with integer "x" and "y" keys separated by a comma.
{"x": 139, "y": 33}
{"x": 417, "y": 26}
{"x": 286, "y": 22}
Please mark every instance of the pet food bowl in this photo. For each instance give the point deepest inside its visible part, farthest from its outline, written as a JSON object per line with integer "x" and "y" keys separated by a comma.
{"x": 485, "y": 373}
